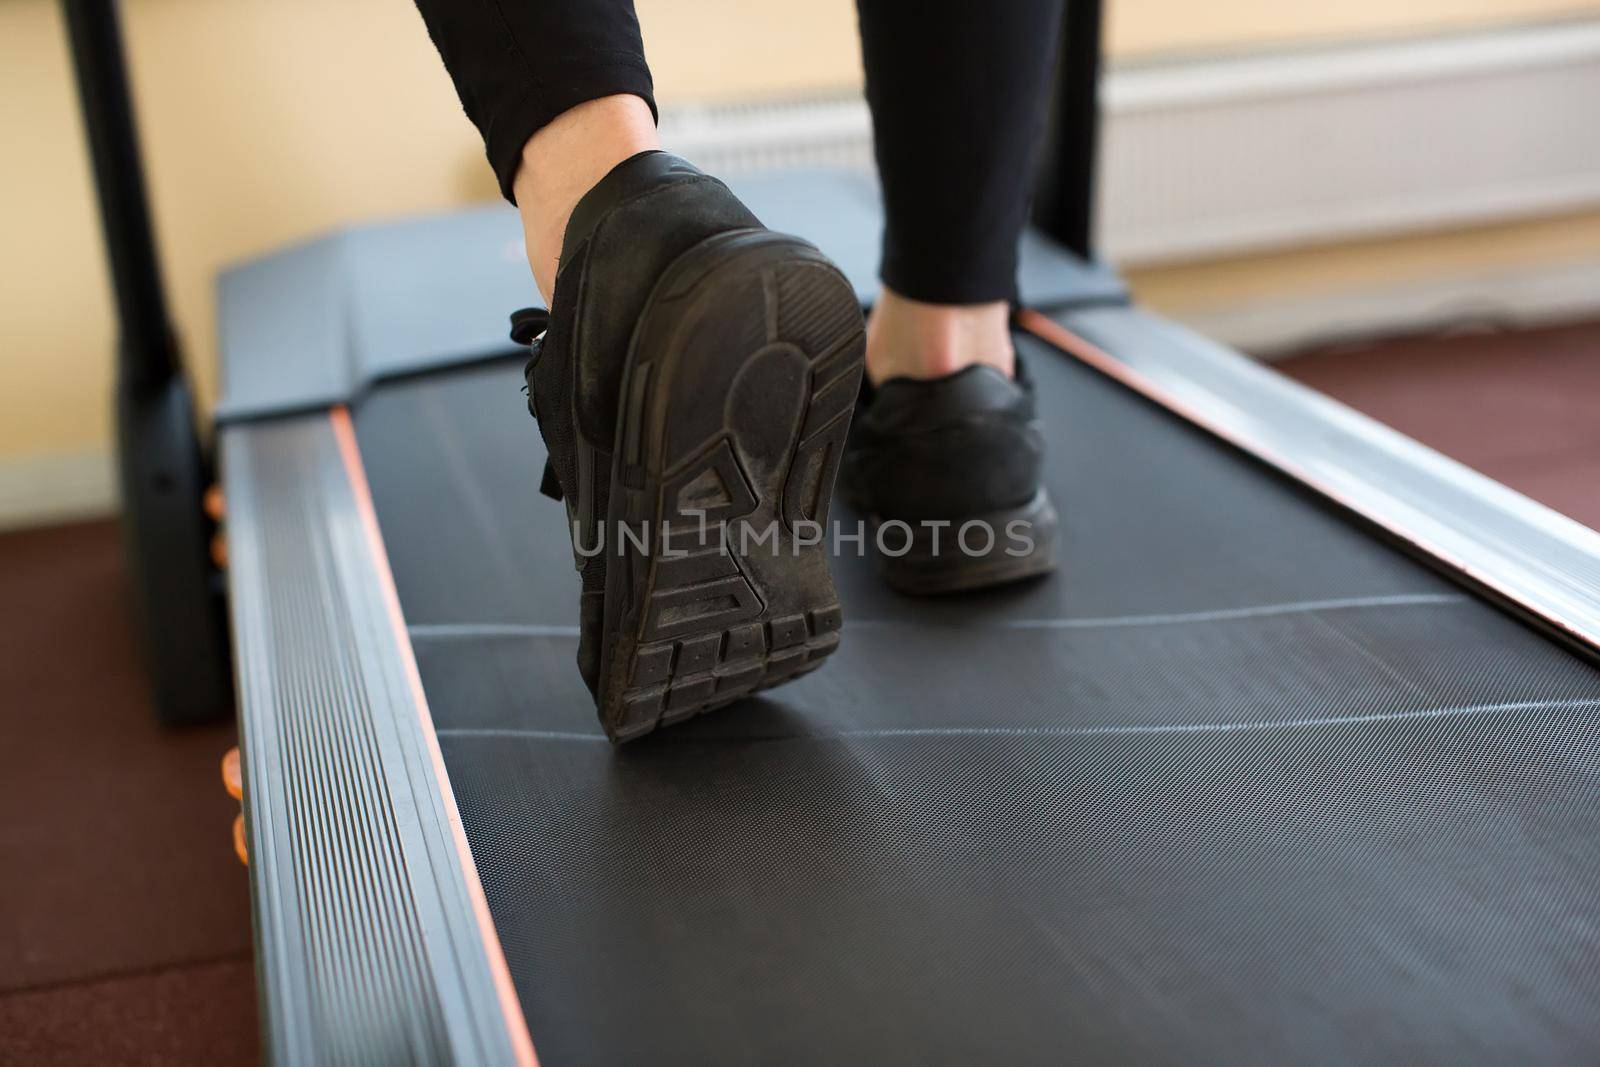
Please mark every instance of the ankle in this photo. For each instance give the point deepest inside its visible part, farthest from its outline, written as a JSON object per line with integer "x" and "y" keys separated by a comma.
{"x": 564, "y": 160}
{"x": 910, "y": 339}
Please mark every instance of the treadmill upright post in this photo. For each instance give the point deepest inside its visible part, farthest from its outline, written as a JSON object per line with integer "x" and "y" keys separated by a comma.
{"x": 162, "y": 469}
{"x": 147, "y": 352}
{"x": 1064, "y": 189}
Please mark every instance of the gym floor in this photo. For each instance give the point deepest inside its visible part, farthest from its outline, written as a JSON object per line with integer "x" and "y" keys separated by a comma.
{"x": 124, "y": 916}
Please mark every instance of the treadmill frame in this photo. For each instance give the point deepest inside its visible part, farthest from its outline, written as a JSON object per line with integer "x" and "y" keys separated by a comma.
{"x": 1066, "y": 179}
{"x": 163, "y": 469}
{"x": 364, "y": 887}
{"x": 372, "y": 926}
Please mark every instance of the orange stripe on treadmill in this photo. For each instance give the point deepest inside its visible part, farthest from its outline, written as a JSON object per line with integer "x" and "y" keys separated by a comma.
{"x": 1048, "y": 330}
{"x": 510, "y": 1006}
{"x": 1053, "y": 333}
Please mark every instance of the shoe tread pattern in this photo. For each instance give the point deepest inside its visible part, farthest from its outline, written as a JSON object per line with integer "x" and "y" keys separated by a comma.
{"x": 777, "y": 329}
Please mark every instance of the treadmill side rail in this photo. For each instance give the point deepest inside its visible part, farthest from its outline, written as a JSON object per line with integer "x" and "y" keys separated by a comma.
{"x": 1529, "y": 558}
{"x": 373, "y": 941}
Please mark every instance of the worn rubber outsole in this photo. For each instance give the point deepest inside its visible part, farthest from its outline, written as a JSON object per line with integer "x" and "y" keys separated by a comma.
{"x": 741, "y": 379}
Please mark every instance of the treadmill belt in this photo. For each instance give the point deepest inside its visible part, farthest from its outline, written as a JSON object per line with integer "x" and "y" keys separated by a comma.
{"x": 1239, "y": 783}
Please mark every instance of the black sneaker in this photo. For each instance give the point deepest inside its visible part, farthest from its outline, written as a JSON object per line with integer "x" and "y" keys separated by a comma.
{"x": 694, "y": 385}
{"x": 947, "y": 471}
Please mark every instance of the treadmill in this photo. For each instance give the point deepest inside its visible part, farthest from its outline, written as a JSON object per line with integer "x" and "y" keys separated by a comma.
{"x": 1296, "y": 759}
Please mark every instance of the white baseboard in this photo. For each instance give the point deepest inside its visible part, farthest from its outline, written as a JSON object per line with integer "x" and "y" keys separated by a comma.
{"x": 1218, "y": 156}
{"x": 1517, "y": 297}
{"x": 59, "y": 487}
{"x": 1246, "y": 153}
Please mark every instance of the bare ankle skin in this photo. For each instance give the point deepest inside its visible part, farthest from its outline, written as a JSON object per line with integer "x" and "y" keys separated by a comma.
{"x": 910, "y": 339}
{"x": 563, "y": 161}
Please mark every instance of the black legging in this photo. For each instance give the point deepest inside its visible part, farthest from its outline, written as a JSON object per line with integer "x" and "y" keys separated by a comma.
{"x": 957, "y": 90}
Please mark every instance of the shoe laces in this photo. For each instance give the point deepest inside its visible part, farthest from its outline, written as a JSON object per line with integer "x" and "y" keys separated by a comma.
{"x": 528, "y": 327}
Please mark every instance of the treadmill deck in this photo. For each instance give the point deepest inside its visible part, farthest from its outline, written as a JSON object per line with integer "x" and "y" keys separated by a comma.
{"x": 1239, "y": 782}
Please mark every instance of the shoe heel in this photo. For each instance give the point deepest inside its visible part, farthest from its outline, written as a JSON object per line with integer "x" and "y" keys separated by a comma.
{"x": 741, "y": 382}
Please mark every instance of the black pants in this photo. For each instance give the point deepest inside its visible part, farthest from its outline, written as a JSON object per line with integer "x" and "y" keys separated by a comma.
{"x": 957, "y": 89}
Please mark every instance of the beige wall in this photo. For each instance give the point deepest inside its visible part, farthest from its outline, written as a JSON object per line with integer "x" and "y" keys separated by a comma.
{"x": 1141, "y": 27}
{"x": 268, "y": 120}
{"x": 262, "y": 121}
{"x": 814, "y": 43}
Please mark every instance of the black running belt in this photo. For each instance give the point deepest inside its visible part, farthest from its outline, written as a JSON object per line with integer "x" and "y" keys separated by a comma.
{"x": 1240, "y": 783}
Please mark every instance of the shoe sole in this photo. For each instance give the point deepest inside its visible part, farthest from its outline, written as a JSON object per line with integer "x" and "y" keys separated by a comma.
{"x": 979, "y": 552}
{"x": 736, "y": 399}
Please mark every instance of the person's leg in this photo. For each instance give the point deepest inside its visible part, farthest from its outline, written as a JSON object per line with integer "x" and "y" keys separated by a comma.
{"x": 561, "y": 93}
{"x": 958, "y": 97}
{"x": 946, "y": 435}
{"x": 564, "y": 160}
